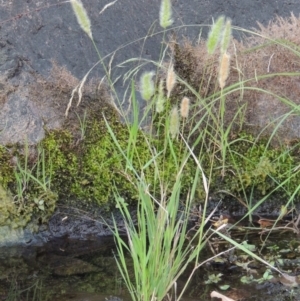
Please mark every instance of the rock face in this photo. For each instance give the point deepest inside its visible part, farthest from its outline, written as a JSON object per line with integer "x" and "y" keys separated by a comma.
{"x": 34, "y": 34}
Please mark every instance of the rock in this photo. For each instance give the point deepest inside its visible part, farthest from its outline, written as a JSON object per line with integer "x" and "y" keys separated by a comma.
{"x": 34, "y": 34}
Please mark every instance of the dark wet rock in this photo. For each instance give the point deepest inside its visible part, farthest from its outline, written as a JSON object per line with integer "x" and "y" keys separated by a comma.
{"x": 81, "y": 222}
{"x": 46, "y": 30}
{"x": 67, "y": 222}
{"x": 36, "y": 33}
{"x": 19, "y": 236}
{"x": 90, "y": 223}
{"x": 20, "y": 119}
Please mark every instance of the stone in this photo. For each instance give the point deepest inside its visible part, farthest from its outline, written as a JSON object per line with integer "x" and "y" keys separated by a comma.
{"x": 34, "y": 34}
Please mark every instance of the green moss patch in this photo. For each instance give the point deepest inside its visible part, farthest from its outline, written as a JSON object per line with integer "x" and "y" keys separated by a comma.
{"x": 92, "y": 168}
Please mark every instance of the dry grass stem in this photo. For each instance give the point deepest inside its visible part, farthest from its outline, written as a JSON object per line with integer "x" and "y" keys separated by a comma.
{"x": 215, "y": 294}
{"x": 78, "y": 89}
{"x": 107, "y": 6}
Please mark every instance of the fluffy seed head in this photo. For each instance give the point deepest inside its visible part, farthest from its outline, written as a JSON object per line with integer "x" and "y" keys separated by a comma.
{"x": 226, "y": 36}
{"x": 171, "y": 80}
{"x": 160, "y": 98}
{"x": 214, "y": 35}
{"x": 147, "y": 88}
{"x": 165, "y": 14}
{"x": 174, "y": 123}
{"x": 224, "y": 69}
{"x": 82, "y": 17}
{"x": 185, "y": 107}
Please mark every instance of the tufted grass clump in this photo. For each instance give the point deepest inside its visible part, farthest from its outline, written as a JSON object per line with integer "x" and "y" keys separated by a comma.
{"x": 25, "y": 187}
{"x": 182, "y": 159}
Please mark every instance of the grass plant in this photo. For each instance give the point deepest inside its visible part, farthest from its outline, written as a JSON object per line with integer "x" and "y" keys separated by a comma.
{"x": 32, "y": 187}
{"x": 204, "y": 131}
{"x": 39, "y": 174}
{"x": 157, "y": 246}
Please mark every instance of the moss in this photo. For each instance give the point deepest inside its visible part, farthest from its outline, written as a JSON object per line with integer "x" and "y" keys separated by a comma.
{"x": 103, "y": 168}
{"x": 17, "y": 213}
{"x": 6, "y": 170}
{"x": 255, "y": 166}
{"x": 90, "y": 168}
{"x": 7, "y": 207}
{"x": 100, "y": 164}
{"x": 61, "y": 159}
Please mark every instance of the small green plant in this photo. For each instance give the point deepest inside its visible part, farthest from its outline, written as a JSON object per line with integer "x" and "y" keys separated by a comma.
{"x": 36, "y": 175}
{"x": 83, "y": 125}
{"x": 265, "y": 277}
{"x": 213, "y": 278}
{"x": 247, "y": 279}
{"x": 33, "y": 188}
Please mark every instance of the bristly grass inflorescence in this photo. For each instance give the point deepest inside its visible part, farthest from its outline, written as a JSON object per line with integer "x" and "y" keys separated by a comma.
{"x": 215, "y": 35}
{"x": 185, "y": 107}
{"x": 226, "y": 36}
{"x": 171, "y": 80}
{"x": 224, "y": 69}
{"x": 174, "y": 123}
{"x": 165, "y": 14}
{"x": 161, "y": 99}
{"x": 147, "y": 87}
{"x": 82, "y": 17}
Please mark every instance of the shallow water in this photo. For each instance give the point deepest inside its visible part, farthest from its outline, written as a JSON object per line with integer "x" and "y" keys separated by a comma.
{"x": 65, "y": 269}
